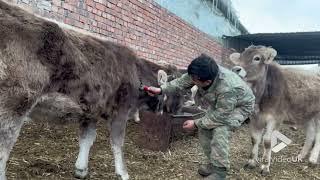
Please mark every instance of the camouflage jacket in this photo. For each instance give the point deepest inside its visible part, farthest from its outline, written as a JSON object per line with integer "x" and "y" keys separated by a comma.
{"x": 230, "y": 101}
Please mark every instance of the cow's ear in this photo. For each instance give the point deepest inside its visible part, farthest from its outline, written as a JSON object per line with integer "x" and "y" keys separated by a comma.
{"x": 235, "y": 58}
{"x": 162, "y": 77}
{"x": 270, "y": 55}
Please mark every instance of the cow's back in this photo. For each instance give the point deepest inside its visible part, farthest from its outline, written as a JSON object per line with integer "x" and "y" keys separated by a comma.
{"x": 38, "y": 57}
{"x": 303, "y": 93}
{"x": 293, "y": 95}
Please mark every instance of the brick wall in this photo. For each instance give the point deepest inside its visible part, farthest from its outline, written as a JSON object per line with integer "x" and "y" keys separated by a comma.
{"x": 143, "y": 25}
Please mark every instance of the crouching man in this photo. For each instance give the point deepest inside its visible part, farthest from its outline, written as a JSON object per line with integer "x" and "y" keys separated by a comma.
{"x": 230, "y": 102}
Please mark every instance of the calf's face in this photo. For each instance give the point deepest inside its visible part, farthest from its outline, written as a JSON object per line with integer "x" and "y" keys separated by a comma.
{"x": 251, "y": 64}
{"x": 170, "y": 103}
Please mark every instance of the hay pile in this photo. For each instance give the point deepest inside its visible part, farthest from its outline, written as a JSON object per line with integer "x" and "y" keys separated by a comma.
{"x": 46, "y": 152}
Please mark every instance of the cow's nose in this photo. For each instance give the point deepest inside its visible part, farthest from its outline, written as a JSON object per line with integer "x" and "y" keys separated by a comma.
{"x": 237, "y": 69}
{"x": 240, "y": 71}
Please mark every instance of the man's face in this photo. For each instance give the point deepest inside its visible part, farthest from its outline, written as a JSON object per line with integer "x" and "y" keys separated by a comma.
{"x": 199, "y": 83}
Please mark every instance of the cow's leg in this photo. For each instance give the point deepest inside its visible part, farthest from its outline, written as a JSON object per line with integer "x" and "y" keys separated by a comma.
{"x": 256, "y": 136}
{"x": 310, "y": 136}
{"x": 266, "y": 158}
{"x": 136, "y": 116}
{"x": 314, "y": 155}
{"x": 86, "y": 139}
{"x": 10, "y": 126}
{"x": 118, "y": 125}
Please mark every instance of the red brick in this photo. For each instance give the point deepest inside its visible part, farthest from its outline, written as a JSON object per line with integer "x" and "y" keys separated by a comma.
{"x": 90, "y": 3}
{"x": 142, "y": 25}
{"x": 55, "y": 8}
{"x": 111, "y": 29}
{"x": 68, "y": 7}
{"x": 100, "y": 7}
{"x": 104, "y": 2}
{"x": 91, "y": 16}
{"x": 98, "y": 18}
{"x": 111, "y": 17}
{"x": 69, "y": 21}
{"x": 109, "y": 5}
{"x": 56, "y": 2}
{"x": 102, "y": 26}
{"x": 84, "y": 20}
{"x": 90, "y": 9}
{"x": 74, "y": 16}
{"x": 72, "y": 2}
{"x": 104, "y": 32}
{"x": 79, "y": 24}
{"x": 94, "y": 23}
{"x": 61, "y": 11}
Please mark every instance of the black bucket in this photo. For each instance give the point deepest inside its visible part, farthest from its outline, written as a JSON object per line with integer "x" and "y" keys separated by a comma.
{"x": 156, "y": 131}
{"x": 177, "y": 121}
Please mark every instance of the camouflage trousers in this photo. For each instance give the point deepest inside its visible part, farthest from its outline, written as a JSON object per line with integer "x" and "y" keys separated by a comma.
{"x": 215, "y": 140}
{"x": 215, "y": 144}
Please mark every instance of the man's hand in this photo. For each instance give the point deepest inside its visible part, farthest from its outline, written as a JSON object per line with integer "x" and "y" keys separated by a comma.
{"x": 152, "y": 90}
{"x": 189, "y": 125}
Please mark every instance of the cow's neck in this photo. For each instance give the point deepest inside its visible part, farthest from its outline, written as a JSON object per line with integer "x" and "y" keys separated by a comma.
{"x": 258, "y": 86}
{"x": 273, "y": 87}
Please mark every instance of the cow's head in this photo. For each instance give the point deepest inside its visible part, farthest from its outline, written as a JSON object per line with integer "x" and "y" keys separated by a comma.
{"x": 252, "y": 63}
{"x": 152, "y": 74}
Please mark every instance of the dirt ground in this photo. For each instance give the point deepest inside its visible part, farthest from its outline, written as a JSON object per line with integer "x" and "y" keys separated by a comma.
{"x": 47, "y": 152}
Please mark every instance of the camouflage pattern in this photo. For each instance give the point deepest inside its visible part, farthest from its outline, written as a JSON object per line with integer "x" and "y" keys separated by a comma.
{"x": 230, "y": 102}
{"x": 215, "y": 145}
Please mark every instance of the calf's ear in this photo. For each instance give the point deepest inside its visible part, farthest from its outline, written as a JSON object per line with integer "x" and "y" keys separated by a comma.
{"x": 270, "y": 55}
{"x": 162, "y": 77}
{"x": 235, "y": 58}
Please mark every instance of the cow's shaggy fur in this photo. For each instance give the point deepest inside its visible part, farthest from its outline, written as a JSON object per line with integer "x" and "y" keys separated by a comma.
{"x": 66, "y": 76}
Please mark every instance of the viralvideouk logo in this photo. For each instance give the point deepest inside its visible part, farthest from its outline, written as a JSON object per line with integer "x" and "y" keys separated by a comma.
{"x": 284, "y": 141}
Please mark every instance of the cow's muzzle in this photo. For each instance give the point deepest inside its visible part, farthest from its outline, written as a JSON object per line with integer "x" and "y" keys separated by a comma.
{"x": 240, "y": 71}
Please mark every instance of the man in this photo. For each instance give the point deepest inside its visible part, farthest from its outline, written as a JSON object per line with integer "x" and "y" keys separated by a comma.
{"x": 230, "y": 102}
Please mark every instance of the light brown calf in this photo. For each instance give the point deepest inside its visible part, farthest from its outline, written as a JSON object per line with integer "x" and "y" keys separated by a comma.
{"x": 281, "y": 95}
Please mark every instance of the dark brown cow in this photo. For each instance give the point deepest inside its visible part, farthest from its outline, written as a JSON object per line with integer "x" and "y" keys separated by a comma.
{"x": 65, "y": 76}
{"x": 169, "y": 103}
{"x": 289, "y": 95}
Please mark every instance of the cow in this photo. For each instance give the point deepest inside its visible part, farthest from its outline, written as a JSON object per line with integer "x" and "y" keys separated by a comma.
{"x": 282, "y": 95}
{"x": 61, "y": 75}
{"x": 171, "y": 103}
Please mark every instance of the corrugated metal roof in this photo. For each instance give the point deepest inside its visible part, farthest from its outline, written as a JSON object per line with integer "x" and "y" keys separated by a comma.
{"x": 293, "y": 48}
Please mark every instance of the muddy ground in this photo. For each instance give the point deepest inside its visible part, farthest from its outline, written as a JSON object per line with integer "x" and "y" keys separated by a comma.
{"x": 47, "y": 152}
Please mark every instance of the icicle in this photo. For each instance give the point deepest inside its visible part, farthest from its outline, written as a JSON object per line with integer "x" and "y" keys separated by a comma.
{"x": 213, "y": 6}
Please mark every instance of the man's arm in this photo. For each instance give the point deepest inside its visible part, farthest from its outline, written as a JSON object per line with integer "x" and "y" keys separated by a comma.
{"x": 220, "y": 113}
{"x": 178, "y": 84}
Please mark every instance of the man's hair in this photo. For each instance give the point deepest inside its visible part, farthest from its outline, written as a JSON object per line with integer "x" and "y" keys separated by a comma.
{"x": 204, "y": 67}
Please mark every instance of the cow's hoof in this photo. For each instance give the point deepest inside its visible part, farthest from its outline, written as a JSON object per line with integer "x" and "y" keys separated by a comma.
{"x": 81, "y": 173}
{"x": 312, "y": 164}
{"x": 313, "y": 161}
{"x": 118, "y": 177}
{"x": 123, "y": 177}
{"x": 264, "y": 171}
{"x": 250, "y": 165}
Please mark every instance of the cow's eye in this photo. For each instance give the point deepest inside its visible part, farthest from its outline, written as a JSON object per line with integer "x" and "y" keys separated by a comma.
{"x": 256, "y": 58}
